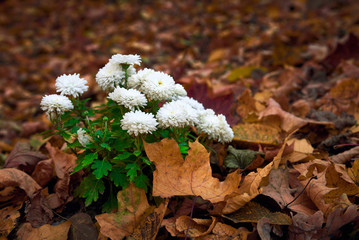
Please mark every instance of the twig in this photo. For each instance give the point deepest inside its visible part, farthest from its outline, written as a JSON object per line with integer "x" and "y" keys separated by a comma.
{"x": 190, "y": 218}
{"x": 314, "y": 177}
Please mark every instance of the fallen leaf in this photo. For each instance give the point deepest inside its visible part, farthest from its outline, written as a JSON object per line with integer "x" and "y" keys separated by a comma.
{"x": 8, "y": 218}
{"x": 253, "y": 212}
{"x": 149, "y": 227}
{"x": 251, "y": 185}
{"x": 257, "y": 133}
{"x": 353, "y": 172}
{"x": 288, "y": 122}
{"x": 345, "y": 156}
{"x": 23, "y": 158}
{"x": 264, "y": 229}
{"x": 14, "y": 177}
{"x": 45, "y": 232}
{"x": 198, "y": 227}
{"x": 64, "y": 164}
{"x": 43, "y": 172}
{"x": 306, "y": 226}
{"x": 82, "y": 227}
{"x": 132, "y": 206}
{"x": 193, "y": 176}
{"x": 246, "y": 105}
{"x": 301, "y": 145}
{"x": 240, "y": 158}
{"x": 317, "y": 188}
{"x": 278, "y": 189}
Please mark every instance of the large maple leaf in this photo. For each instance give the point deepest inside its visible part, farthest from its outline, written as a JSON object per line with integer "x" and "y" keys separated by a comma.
{"x": 192, "y": 176}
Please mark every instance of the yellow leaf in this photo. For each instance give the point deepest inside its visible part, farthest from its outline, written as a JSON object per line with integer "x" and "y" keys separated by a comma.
{"x": 242, "y": 72}
{"x": 217, "y": 54}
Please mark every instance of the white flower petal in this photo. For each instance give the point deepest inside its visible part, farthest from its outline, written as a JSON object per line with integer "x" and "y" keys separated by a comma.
{"x": 71, "y": 85}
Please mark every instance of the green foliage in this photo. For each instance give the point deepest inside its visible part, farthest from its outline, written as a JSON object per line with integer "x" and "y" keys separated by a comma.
{"x": 90, "y": 189}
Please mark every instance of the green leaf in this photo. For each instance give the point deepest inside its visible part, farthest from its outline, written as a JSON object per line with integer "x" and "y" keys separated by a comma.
{"x": 110, "y": 204}
{"x": 105, "y": 145}
{"x": 123, "y": 156}
{"x": 137, "y": 153}
{"x": 89, "y": 158}
{"x": 142, "y": 181}
{"x": 132, "y": 170}
{"x": 118, "y": 177}
{"x": 240, "y": 158}
{"x": 101, "y": 168}
{"x": 146, "y": 161}
{"x": 90, "y": 188}
{"x": 121, "y": 144}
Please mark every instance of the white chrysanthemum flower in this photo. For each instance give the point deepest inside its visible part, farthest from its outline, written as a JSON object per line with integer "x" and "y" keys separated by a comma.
{"x": 55, "y": 105}
{"x": 110, "y": 76}
{"x": 126, "y": 59}
{"x": 83, "y": 137}
{"x": 71, "y": 85}
{"x": 176, "y": 114}
{"x": 193, "y": 103}
{"x": 138, "y": 122}
{"x": 136, "y": 80}
{"x": 178, "y": 92}
{"x": 158, "y": 86}
{"x": 215, "y": 126}
{"x": 130, "y": 98}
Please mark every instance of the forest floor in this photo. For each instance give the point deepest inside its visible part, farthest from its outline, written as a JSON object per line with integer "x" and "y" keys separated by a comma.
{"x": 284, "y": 73}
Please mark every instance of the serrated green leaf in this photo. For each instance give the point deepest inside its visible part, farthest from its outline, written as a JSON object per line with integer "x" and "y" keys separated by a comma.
{"x": 105, "y": 145}
{"x": 89, "y": 158}
{"x": 142, "y": 181}
{"x": 90, "y": 188}
{"x": 101, "y": 168}
{"x": 118, "y": 177}
{"x": 240, "y": 158}
{"x": 132, "y": 170}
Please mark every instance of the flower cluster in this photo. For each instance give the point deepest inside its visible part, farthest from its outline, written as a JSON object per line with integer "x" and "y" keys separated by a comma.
{"x": 144, "y": 105}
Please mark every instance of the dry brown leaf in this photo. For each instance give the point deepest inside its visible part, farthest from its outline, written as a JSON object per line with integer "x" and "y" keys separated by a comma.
{"x": 257, "y": 133}
{"x": 198, "y": 227}
{"x": 13, "y": 177}
{"x": 306, "y": 226}
{"x": 317, "y": 188}
{"x": 64, "y": 164}
{"x": 253, "y": 212}
{"x": 45, "y": 232}
{"x": 23, "y": 158}
{"x": 246, "y": 105}
{"x": 345, "y": 156}
{"x": 301, "y": 145}
{"x": 278, "y": 189}
{"x": 149, "y": 227}
{"x": 251, "y": 186}
{"x": 264, "y": 228}
{"x": 338, "y": 178}
{"x": 43, "y": 172}
{"x": 288, "y": 122}
{"x": 192, "y": 176}
{"x": 132, "y": 205}
{"x": 353, "y": 172}
{"x": 8, "y": 218}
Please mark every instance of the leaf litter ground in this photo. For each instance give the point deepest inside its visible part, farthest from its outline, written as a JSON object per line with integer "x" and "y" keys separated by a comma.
{"x": 285, "y": 74}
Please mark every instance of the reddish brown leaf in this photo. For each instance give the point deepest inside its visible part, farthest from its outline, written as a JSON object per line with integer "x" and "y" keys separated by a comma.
{"x": 22, "y": 158}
